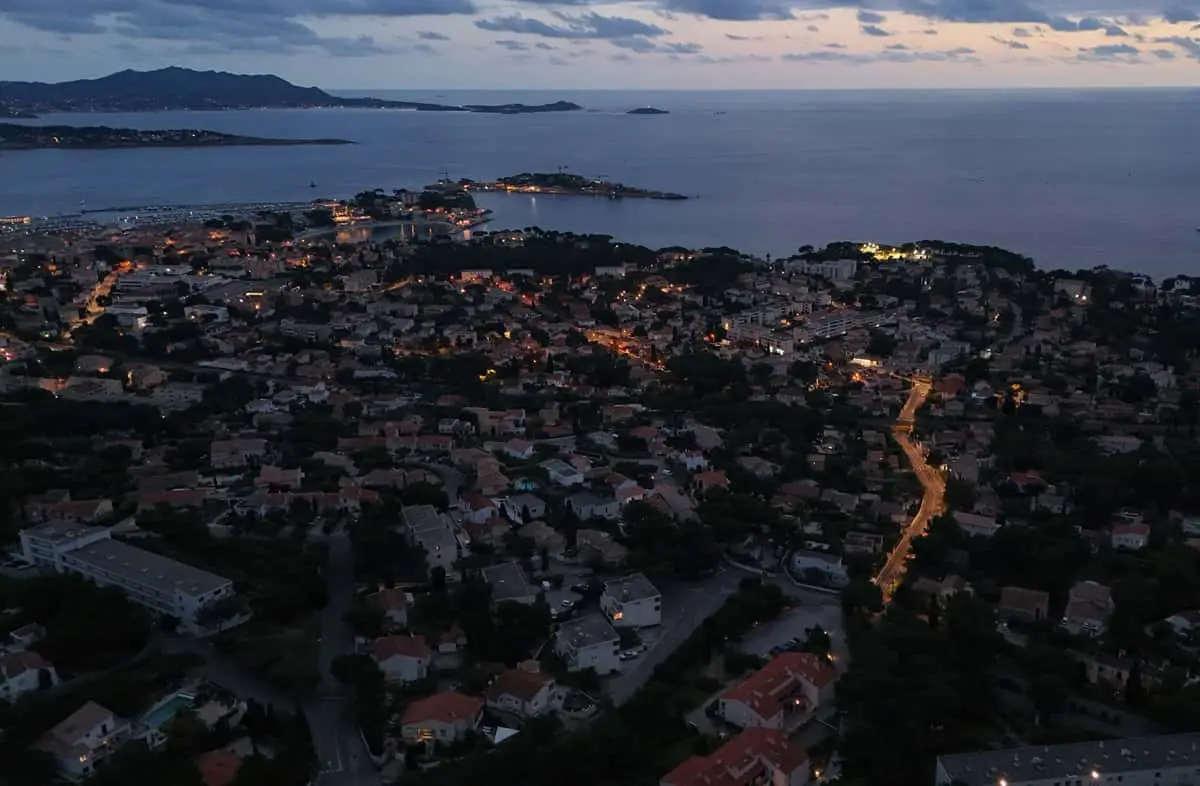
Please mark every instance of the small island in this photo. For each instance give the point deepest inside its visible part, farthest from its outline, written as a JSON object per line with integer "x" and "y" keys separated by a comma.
{"x": 647, "y": 110}
{"x": 564, "y": 184}
{"x": 14, "y": 136}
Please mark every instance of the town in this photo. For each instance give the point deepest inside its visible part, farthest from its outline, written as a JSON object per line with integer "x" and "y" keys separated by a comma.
{"x": 287, "y": 506}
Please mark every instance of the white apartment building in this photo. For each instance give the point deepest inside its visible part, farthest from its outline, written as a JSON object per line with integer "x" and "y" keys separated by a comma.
{"x": 84, "y": 740}
{"x": 832, "y": 269}
{"x": 589, "y": 642}
{"x": 157, "y": 583}
{"x": 1169, "y": 760}
{"x": 632, "y": 602}
{"x": 434, "y": 532}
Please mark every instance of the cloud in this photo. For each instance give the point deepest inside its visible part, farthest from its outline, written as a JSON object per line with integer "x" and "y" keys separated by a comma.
{"x": 733, "y": 37}
{"x": 645, "y": 45}
{"x": 732, "y": 10}
{"x": 870, "y": 17}
{"x": 1115, "y": 31}
{"x": 888, "y": 55}
{"x": 1118, "y": 53}
{"x": 929, "y": 31}
{"x": 875, "y": 31}
{"x": 813, "y": 29}
{"x": 582, "y": 27}
{"x": 432, "y": 35}
{"x": 1190, "y": 46}
{"x": 1163, "y": 54}
{"x": 835, "y": 46}
{"x": 1010, "y": 44}
{"x": 512, "y": 46}
{"x": 1178, "y": 14}
{"x": 896, "y": 48}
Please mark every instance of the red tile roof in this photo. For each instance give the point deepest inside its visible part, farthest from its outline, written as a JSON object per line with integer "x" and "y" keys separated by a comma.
{"x": 521, "y": 684}
{"x": 408, "y": 646}
{"x": 218, "y": 768}
{"x": 741, "y": 761}
{"x": 766, "y": 690}
{"x": 449, "y": 707}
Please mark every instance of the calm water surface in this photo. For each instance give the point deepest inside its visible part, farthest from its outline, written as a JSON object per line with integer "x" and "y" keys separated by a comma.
{"x": 1072, "y": 178}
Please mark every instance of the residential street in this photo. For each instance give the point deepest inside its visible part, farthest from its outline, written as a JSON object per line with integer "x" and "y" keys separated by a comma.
{"x": 931, "y": 481}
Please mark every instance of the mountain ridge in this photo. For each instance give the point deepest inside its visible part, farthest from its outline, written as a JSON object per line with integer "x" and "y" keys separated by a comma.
{"x": 177, "y": 88}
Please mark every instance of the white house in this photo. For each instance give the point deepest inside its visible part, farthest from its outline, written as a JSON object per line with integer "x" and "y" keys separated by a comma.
{"x": 86, "y": 738}
{"x": 562, "y": 473}
{"x": 442, "y": 717}
{"x": 477, "y": 508}
{"x": 1131, "y": 537}
{"x": 524, "y": 691}
{"x": 524, "y": 507}
{"x": 587, "y": 505}
{"x": 781, "y": 695}
{"x": 402, "y": 658}
{"x": 519, "y": 449}
{"x": 21, "y": 673}
{"x": 976, "y": 525}
{"x": 632, "y": 602}
{"x": 694, "y": 460}
{"x": 589, "y": 642}
{"x": 828, "y": 566}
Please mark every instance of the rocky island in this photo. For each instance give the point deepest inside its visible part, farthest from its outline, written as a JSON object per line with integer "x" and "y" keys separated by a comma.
{"x": 564, "y": 184}
{"x": 14, "y": 136}
{"x": 185, "y": 89}
{"x": 647, "y": 110}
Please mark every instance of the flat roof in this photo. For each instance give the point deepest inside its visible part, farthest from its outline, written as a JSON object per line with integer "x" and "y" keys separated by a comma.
{"x": 421, "y": 518}
{"x": 147, "y": 568}
{"x": 508, "y": 581}
{"x": 586, "y": 631}
{"x": 1076, "y": 759}
{"x": 61, "y": 531}
{"x": 631, "y": 588}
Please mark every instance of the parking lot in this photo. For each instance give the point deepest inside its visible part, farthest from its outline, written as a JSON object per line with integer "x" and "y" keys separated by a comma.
{"x": 795, "y": 624}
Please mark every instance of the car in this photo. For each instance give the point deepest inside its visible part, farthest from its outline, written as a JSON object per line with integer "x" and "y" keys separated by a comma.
{"x": 568, "y": 604}
{"x": 630, "y": 654}
{"x": 579, "y": 588}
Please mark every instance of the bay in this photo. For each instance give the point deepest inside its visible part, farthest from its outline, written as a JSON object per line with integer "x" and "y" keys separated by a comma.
{"x": 1071, "y": 178}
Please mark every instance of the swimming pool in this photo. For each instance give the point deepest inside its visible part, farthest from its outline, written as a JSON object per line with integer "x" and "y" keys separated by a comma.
{"x": 162, "y": 714}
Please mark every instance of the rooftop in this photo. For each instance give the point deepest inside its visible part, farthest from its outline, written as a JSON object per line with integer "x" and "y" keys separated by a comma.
{"x": 1077, "y": 759}
{"x": 446, "y": 707}
{"x": 586, "y": 631}
{"x": 420, "y": 518}
{"x": 61, "y": 531}
{"x": 508, "y": 582}
{"x": 147, "y": 568}
{"x": 631, "y": 588}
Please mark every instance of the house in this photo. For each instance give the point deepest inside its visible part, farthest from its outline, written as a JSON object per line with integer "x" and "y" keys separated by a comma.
{"x": 595, "y": 545}
{"x": 693, "y": 460}
{"x": 219, "y": 767}
{"x": 1024, "y": 604}
{"x": 236, "y": 453}
{"x": 524, "y": 507}
{"x": 26, "y": 636}
{"x": 22, "y": 672}
{"x": 509, "y": 584}
{"x": 588, "y": 642}
{"x": 442, "y": 717}
{"x": 434, "y": 532}
{"x": 278, "y": 477}
{"x": 1089, "y": 605}
{"x": 1130, "y": 537}
{"x": 393, "y": 604}
{"x": 976, "y": 525}
{"x": 85, "y": 739}
{"x": 402, "y": 658}
{"x": 943, "y": 590}
{"x": 705, "y": 482}
{"x": 781, "y": 695}
{"x": 632, "y": 602}
{"x": 755, "y": 756}
{"x": 1183, "y": 623}
{"x": 586, "y": 505}
{"x": 524, "y": 691}
{"x": 518, "y": 449}
{"x": 820, "y": 566}
{"x": 476, "y": 508}
{"x": 562, "y": 473}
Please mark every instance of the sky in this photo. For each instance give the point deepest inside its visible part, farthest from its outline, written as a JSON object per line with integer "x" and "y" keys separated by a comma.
{"x": 634, "y": 44}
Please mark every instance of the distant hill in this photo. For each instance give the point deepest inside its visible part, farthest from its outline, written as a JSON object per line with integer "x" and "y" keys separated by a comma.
{"x": 183, "y": 88}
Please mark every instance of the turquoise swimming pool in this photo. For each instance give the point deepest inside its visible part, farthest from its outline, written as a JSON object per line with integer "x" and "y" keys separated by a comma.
{"x": 162, "y": 714}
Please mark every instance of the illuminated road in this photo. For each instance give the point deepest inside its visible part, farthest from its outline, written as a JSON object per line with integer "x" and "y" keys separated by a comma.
{"x": 931, "y": 501}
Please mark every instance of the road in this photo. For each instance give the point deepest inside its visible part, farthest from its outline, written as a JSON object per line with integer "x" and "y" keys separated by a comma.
{"x": 932, "y": 500}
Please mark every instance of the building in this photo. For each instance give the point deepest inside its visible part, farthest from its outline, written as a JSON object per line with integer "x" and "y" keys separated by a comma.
{"x": 84, "y": 740}
{"x": 509, "y": 584}
{"x": 393, "y": 604}
{"x": 1024, "y": 604}
{"x": 524, "y": 691}
{"x": 1133, "y": 761}
{"x": 402, "y": 658}
{"x": 586, "y": 505}
{"x": 235, "y": 453}
{"x": 1089, "y": 605}
{"x": 562, "y": 473}
{"x": 524, "y": 508}
{"x": 157, "y": 583}
{"x": 820, "y": 566}
{"x": 753, "y": 757}
{"x": 632, "y": 602}
{"x": 1130, "y": 537}
{"x": 21, "y": 673}
{"x": 781, "y": 695}
{"x": 589, "y": 642}
{"x": 433, "y": 532}
{"x": 442, "y": 717}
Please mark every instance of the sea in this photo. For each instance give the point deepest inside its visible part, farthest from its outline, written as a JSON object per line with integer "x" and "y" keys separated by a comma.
{"x": 1073, "y": 179}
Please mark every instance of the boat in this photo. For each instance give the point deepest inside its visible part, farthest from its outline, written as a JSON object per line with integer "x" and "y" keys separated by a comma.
{"x": 312, "y": 184}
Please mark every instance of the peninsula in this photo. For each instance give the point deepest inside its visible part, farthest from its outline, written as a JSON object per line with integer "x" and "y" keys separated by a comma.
{"x": 564, "y": 184}
{"x": 14, "y": 136}
{"x": 185, "y": 89}
{"x": 647, "y": 110}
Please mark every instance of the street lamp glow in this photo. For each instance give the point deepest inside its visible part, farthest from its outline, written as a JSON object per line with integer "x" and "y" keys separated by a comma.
{"x": 1095, "y": 775}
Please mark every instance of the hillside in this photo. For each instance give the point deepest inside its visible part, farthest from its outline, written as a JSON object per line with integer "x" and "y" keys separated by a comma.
{"x": 185, "y": 89}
